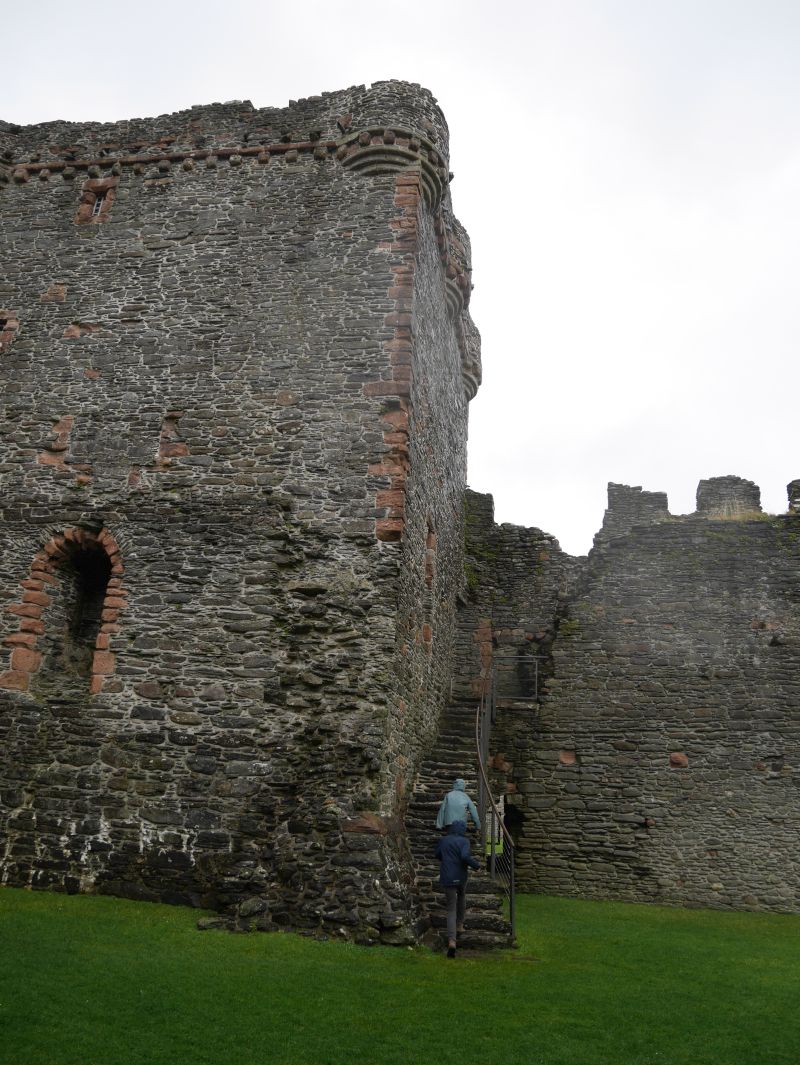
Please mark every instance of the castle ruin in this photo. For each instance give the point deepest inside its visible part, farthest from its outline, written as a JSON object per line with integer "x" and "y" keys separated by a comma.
{"x": 236, "y": 359}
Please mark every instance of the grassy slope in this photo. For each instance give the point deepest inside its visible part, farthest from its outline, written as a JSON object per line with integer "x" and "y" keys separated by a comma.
{"x": 98, "y": 981}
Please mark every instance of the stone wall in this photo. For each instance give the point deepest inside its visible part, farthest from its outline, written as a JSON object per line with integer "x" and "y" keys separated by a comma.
{"x": 236, "y": 360}
{"x": 518, "y": 581}
{"x": 660, "y": 762}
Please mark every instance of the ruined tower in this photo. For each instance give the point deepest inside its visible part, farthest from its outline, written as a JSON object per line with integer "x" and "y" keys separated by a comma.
{"x": 236, "y": 360}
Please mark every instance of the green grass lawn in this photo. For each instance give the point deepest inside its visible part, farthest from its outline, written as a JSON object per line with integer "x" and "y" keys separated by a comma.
{"x": 99, "y": 981}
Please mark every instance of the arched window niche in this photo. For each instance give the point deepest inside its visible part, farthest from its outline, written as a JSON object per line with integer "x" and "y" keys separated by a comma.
{"x": 68, "y": 615}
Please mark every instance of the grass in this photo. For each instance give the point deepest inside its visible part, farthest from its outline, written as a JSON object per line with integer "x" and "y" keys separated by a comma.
{"x": 99, "y": 981}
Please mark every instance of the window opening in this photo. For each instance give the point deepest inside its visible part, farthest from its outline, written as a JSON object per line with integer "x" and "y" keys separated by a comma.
{"x": 75, "y": 618}
{"x": 97, "y": 199}
{"x": 8, "y": 326}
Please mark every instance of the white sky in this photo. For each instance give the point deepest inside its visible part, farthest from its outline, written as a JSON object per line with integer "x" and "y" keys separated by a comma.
{"x": 629, "y": 173}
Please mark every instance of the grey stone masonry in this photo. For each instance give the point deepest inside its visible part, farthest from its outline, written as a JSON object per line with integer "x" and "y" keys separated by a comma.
{"x": 236, "y": 357}
{"x": 728, "y": 497}
{"x": 660, "y": 759}
{"x": 631, "y": 506}
{"x": 517, "y": 583}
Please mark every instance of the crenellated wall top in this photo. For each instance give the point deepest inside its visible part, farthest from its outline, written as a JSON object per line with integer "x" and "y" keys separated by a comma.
{"x": 328, "y": 116}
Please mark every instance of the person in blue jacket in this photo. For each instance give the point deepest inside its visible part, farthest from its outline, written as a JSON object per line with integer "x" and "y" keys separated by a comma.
{"x": 455, "y": 860}
{"x": 457, "y": 806}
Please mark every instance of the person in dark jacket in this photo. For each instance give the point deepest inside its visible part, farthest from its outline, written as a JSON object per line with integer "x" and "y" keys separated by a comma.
{"x": 455, "y": 860}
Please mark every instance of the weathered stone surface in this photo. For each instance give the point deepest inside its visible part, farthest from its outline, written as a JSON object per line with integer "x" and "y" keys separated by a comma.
{"x": 235, "y": 360}
{"x": 658, "y": 762}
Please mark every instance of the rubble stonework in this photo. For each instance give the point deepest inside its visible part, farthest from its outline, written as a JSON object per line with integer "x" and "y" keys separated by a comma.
{"x": 237, "y": 355}
{"x": 235, "y": 381}
{"x": 660, "y": 761}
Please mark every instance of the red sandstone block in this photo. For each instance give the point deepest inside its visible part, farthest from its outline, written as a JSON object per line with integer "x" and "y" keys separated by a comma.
{"x": 398, "y": 345}
{"x": 381, "y": 469}
{"x": 172, "y": 449}
{"x": 390, "y": 497}
{"x": 55, "y": 294}
{"x": 398, "y": 318}
{"x": 401, "y": 292}
{"x": 395, "y": 438}
{"x": 50, "y": 458}
{"x": 110, "y": 628}
{"x": 32, "y": 625}
{"x": 407, "y": 177}
{"x": 402, "y": 373}
{"x": 25, "y": 610}
{"x": 397, "y": 418}
{"x": 25, "y": 660}
{"x": 385, "y": 388}
{"x": 15, "y": 681}
{"x": 96, "y": 684}
{"x": 112, "y": 601}
{"x": 31, "y": 596}
{"x": 389, "y": 530}
{"x": 102, "y": 642}
{"x": 110, "y": 614}
{"x": 20, "y": 639}
{"x": 104, "y": 663}
{"x": 32, "y": 583}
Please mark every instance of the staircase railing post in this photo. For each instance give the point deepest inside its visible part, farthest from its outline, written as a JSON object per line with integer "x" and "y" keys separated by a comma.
{"x": 499, "y": 870}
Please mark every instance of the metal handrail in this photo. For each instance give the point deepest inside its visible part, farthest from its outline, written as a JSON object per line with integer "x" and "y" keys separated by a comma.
{"x": 501, "y": 845}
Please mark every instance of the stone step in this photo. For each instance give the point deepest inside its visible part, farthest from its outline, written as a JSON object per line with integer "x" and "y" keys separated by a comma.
{"x": 453, "y": 756}
{"x": 476, "y": 922}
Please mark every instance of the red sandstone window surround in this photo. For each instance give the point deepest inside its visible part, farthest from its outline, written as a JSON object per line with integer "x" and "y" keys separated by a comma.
{"x": 78, "y": 574}
{"x": 9, "y": 323}
{"x": 97, "y": 198}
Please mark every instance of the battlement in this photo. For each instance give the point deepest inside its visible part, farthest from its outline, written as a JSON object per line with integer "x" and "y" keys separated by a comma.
{"x": 236, "y": 124}
{"x": 728, "y": 497}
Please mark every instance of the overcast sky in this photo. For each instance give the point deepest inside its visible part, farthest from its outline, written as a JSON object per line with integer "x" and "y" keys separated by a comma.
{"x": 628, "y": 170}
